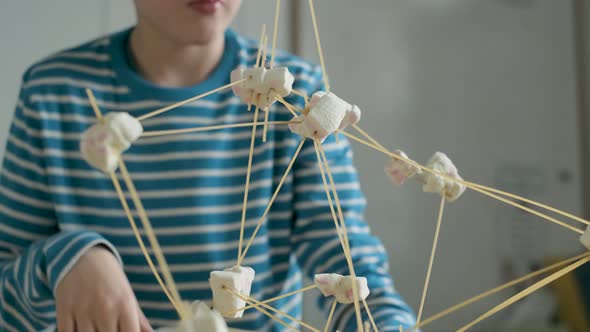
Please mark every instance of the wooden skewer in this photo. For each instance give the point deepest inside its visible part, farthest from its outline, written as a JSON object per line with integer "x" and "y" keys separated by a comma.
{"x": 290, "y": 107}
{"x": 246, "y": 188}
{"x": 210, "y": 128}
{"x": 262, "y": 61}
{"x": 472, "y": 184}
{"x": 303, "y": 95}
{"x": 121, "y": 196}
{"x": 149, "y": 231}
{"x": 530, "y": 201}
{"x": 331, "y": 315}
{"x": 259, "y": 62}
{"x": 432, "y": 254}
{"x": 394, "y": 155}
{"x": 384, "y": 150}
{"x": 539, "y": 214}
{"x": 302, "y": 290}
{"x": 275, "y": 310}
{"x": 367, "y": 136}
{"x": 345, "y": 237}
{"x": 371, "y": 319}
{"x": 339, "y": 230}
{"x": 286, "y": 315}
{"x": 174, "y": 297}
{"x": 257, "y": 307}
{"x": 367, "y": 327}
{"x": 140, "y": 242}
{"x": 265, "y": 127}
{"x": 529, "y": 290}
{"x": 319, "y": 46}
{"x": 258, "y": 55}
{"x": 495, "y": 290}
{"x": 260, "y": 45}
{"x": 274, "y": 34}
{"x": 272, "y": 199}
{"x": 264, "y": 50}
{"x": 187, "y": 101}
{"x": 336, "y": 198}
{"x": 329, "y": 197}
{"x": 94, "y": 104}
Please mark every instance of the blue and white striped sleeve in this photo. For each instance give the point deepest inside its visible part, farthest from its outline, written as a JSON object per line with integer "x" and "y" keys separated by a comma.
{"x": 317, "y": 245}
{"x": 34, "y": 253}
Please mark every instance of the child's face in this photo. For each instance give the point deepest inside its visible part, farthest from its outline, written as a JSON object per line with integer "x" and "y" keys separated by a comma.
{"x": 187, "y": 21}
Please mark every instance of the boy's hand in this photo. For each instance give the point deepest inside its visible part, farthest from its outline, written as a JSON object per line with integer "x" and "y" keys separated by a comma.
{"x": 95, "y": 296}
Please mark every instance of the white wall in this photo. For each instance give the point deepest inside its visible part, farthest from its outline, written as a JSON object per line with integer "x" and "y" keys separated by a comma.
{"x": 489, "y": 82}
{"x": 30, "y": 30}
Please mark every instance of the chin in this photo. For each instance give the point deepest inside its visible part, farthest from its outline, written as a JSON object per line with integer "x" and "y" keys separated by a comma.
{"x": 203, "y": 35}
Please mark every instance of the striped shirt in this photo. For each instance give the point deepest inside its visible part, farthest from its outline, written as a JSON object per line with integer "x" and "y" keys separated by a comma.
{"x": 54, "y": 206}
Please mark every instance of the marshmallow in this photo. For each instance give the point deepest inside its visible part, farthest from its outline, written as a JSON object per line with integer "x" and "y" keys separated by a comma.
{"x": 261, "y": 85}
{"x": 205, "y": 319}
{"x": 353, "y": 116}
{"x": 202, "y": 319}
{"x": 339, "y": 286}
{"x": 435, "y": 183}
{"x": 399, "y": 170}
{"x": 103, "y": 143}
{"x": 327, "y": 113}
{"x": 585, "y": 238}
{"x": 239, "y": 279}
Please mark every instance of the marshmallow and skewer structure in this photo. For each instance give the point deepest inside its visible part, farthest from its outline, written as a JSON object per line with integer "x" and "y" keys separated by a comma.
{"x": 262, "y": 85}
{"x": 203, "y": 318}
{"x": 104, "y": 142}
{"x": 434, "y": 183}
{"x": 238, "y": 279}
{"x": 400, "y": 170}
{"x": 339, "y": 286}
{"x": 326, "y": 113}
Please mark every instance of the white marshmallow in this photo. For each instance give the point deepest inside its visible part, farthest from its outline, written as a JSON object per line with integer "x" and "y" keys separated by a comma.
{"x": 205, "y": 319}
{"x": 585, "y": 238}
{"x": 435, "y": 183}
{"x": 202, "y": 318}
{"x": 399, "y": 170}
{"x": 331, "y": 284}
{"x": 353, "y": 116}
{"x": 103, "y": 143}
{"x": 262, "y": 84}
{"x": 239, "y": 279}
{"x": 327, "y": 113}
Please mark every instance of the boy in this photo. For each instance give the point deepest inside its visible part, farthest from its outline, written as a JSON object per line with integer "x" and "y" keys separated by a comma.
{"x": 68, "y": 256}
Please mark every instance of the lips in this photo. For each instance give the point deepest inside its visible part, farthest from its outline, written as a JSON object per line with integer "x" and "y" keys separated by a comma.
{"x": 206, "y": 7}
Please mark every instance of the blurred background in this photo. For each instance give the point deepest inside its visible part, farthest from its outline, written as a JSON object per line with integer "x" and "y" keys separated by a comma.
{"x": 499, "y": 85}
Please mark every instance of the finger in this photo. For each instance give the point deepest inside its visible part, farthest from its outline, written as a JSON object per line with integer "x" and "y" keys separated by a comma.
{"x": 84, "y": 323}
{"x": 106, "y": 323}
{"x": 65, "y": 322}
{"x": 144, "y": 323}
{"x": 129, "y": 319}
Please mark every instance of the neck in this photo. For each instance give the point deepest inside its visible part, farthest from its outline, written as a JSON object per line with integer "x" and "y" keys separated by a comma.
{"x": 171, "y": 64}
